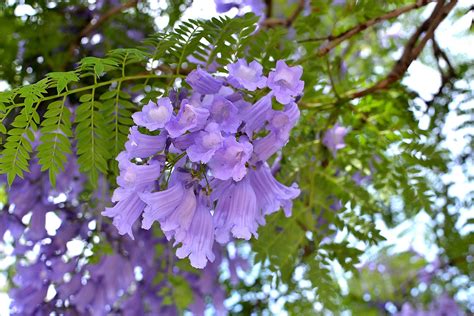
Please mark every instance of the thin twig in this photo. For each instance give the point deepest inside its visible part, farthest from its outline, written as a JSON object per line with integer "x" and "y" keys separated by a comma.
{"x": 269, "y": 8}
{"x": 95, "y": 24}
{"x": 272, "y": 22}
{"x": 412, "y": 49}
{"x": 441, "y": 54}
{"x": 335, "y": 40}
{"x": 447, "y": 78}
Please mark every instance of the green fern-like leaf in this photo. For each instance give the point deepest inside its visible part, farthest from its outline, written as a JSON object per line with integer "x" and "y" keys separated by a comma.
{"x": 225, "y": 35}
{"x": 92, "y": 137}
{"x": 55, "y": 143}
{"x": 186, "y": 38}
{"x": 62, "y": 79}
{"x": 97, "y": 65}
{"x": 16, "y": 153}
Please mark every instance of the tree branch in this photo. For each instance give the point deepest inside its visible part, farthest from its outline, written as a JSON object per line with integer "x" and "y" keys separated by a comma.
{"x": 412, "y": 49}
{"x": 335, "y": 40}
{"x": 269, "y": 8}
{"x": 440, "y": 54}
{"x": 272, "y": 22}
{"x": 447, "y": 77}
{"x": 95, "y": 24}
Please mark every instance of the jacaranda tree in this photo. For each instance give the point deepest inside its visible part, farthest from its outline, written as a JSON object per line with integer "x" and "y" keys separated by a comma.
{"x": 250, "y": 163}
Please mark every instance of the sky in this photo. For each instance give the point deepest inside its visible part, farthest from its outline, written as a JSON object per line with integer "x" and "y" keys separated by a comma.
{"x": 421, "y": 78}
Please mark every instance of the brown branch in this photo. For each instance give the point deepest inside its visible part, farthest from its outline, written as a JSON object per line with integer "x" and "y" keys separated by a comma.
{"x": 412, "y": 49}
{"x": 441, "y": 54}
{"x": 447, "y": 78}
{"x": 335, "y": 40}
{"x": 95, "y": 24}
{"x": 272, "y": 22}
{"x": 269, "y": 8}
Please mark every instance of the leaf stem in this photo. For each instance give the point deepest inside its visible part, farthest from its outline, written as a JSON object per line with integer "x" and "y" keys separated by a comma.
{"x": 101, "y": 84}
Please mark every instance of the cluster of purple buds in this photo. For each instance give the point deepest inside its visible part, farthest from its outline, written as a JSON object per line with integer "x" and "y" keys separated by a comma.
{"x": 196, "y": 162}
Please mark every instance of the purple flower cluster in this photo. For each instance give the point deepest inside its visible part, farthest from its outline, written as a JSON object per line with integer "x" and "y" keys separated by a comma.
{"x": 84, "y": 286}
{"x": 196, "y": 163}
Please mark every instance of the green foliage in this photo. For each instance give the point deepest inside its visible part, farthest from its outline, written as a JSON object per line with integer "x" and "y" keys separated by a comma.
{"x": 279, "y": 247}
{"x": 16, "y": 153}
{"x": 103, "y": 117}
{"x": 55, "y": 143}
{"x": 91, "y": 134}
{"x": 215, "y": 40}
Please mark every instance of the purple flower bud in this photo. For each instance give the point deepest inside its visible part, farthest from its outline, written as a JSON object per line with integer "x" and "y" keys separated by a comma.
{"x": 285, "y": 82}
{"x": 279, "y": 125}
{"x": 154, "y": 116}
{"x": 142, "y": 146}
{"x": 334, "y": 138}
{"x": 202, "y": 82}
{"x": 256, "y": 115}
{"x": 248, "y": 76}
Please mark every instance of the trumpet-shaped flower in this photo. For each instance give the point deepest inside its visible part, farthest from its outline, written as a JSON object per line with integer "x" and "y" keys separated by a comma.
{"x": 205, "y": 144}
{"x": 237, "y": 212}
{"x": 203, "y": 82}
{"x": 154, "y": 116}
{"x": 246, "y": 75}
{"x": 142, "y": 146}
{"x": 199, "y": 238}
{"x": 285, "y": 82}
{"x": 229, "y": 161}
{"x": 190, "y": 118}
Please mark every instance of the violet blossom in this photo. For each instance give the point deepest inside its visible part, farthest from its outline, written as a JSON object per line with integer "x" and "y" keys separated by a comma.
{"x": 285, "y": 82}
{"x": 205, "y": 176}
